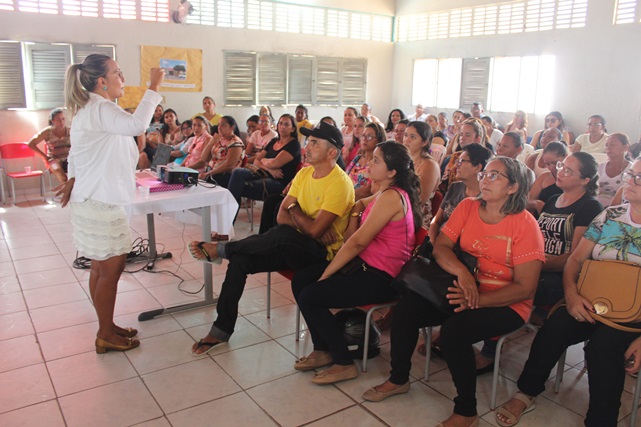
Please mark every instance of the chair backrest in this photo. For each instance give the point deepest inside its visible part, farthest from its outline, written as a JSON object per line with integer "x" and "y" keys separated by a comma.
{"x": 16, "y": 151}
{"x": 437, "y": 199}
{"x": 420, "y": 236}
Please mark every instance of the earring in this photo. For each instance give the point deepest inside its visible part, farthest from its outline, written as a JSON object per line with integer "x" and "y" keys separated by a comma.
{"x": 104, "y": 88}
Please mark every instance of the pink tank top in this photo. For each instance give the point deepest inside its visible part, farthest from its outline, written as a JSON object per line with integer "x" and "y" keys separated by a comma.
{"x": 393, "y": 245}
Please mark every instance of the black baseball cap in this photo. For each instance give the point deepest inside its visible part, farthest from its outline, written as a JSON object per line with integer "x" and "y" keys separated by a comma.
{"x": 327, "y": 132}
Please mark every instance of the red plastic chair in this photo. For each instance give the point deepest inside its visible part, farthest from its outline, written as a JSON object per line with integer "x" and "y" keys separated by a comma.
{"x": 20, "y": 151}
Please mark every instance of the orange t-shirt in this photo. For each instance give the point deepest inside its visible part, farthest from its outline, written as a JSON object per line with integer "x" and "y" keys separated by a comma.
{"x": 515, "y": 240}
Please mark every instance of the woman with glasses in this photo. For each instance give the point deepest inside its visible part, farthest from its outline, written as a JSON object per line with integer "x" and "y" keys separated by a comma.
{"x": 101, "y": 181}
{"x": 553, "y": 120}
{"x": 179, "y": 151}
{"x": 260, "y": 137}
{"x": 518, "y": 124}
{"x": 610, "y": 172}
{"x": 615, "y": 234}
{"x": 497, "y": 230}
{"x": 358, "y": 169}
{"x": 594, "y": 140}
{"x": 418, "y": 140}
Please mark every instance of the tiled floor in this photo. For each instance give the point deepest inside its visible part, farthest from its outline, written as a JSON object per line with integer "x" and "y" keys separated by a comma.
{"x": 50, "y": 374}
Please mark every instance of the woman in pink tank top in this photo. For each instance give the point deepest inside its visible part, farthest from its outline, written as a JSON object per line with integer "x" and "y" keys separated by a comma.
{"x": 379, "y": 240}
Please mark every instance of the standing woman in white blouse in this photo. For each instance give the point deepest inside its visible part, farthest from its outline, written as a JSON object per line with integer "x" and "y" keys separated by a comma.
{"x": 102, "y": 182}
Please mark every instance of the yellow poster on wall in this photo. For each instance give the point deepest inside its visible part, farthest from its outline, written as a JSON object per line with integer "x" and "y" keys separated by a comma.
{"x": 184, "y": 67}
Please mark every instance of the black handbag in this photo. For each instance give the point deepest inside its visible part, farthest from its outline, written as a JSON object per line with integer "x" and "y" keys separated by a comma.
{"x": 422, "y": 275}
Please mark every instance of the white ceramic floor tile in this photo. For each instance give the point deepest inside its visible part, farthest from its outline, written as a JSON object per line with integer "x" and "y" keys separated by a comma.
{"x": 170, "y": 295}
{"x": 33, "y": 385}
{"x": 63, "y": 315}
{"x": 196, "y": 317}
{"x": 135, "y": 301}
{"x": 89, "y": 370}
{"x": 6, "y": 269}
{"x": 39, "y": 264}
{"x": 235, "y": 410}
{"x": 56, "y": 276}
{"x": 19, "y": 352}
{"x": 257, "y": 364}
{"x": 354, "y": 416}
{"x": 47, "y": 413}
{"x": 53, "y": 295}
{"x": 546, "y": 413}
{"x": 12, "y": 303}
{"x": 319, "y": 400}
{"x": 161, "y": 352}
{"x": 158, "y": 422}
{"x": 191, "y": 384}
{"x": 121, "y": 404}
{"x": 282, "y": 321}
{"x": 148, "y": 328}
{"x": 15, "y": 325}
{"x": 68, "y": 341}
{"x": 9, "y": 285}
{"x": 30, "y": 252}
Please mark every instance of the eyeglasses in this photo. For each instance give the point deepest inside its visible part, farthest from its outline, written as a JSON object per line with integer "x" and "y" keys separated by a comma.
{"x": 560, "y": 167}
{"x": 262, "y": 122}
{"x": 186, "y": 128}
{"x": 551, "y": 119}
{"x": 628, "y": 178}
{"x": 491, "y": 175}
{"x": 369, "y": 137}
{"x": 118, "y": 73}
{"x": 459, "y": 162}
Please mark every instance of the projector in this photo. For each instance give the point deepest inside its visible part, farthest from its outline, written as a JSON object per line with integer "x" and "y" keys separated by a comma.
{"x": 178, "y": 175}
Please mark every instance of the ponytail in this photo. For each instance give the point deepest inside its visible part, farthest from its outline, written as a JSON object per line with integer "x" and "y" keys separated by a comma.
{"x": 82, "y": 79}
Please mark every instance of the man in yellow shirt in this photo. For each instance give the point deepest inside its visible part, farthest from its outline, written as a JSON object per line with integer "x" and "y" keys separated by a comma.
{"x": 311, "y": 223}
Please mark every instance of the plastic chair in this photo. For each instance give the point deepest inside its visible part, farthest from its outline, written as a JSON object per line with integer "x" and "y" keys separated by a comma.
{"x": 20, "y": 151}
{"x": 635, "y": 399}
{"x": 497, "y": 359}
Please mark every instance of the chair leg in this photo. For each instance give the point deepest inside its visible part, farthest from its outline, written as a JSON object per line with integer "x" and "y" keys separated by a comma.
{"x": 297, "y": 323}
{"x": 635, "y": 402}
{"x": 495, "y": 374}
{"x": 251, "y": 216}
{"x": 269, "y": 294}
{"x": 559, "y": 372}
{"x": 13, "y": 192}
{"x": 368, "y": 322}
{"x": 428, "y": 351}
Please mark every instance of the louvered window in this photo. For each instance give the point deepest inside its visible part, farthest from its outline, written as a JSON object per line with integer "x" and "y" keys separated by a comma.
{"x": 81, "y": 51}
{"x": 240, "y": 78}
{"x": 354, "y": 82}
{"x": 80, "y": 7}
{"x": 328, "y": 83}
{"x": 12, "y": 94}
{"x": 474, "y": 81}
{"x": 300, "y": 80}
{"x": 38, "y": 6}
{"x": 154, "y": 10}
{"x": 119, "y": 9}
{"x": 272, "y": 72}
{"x": 48, "y": 64}
{"x": 7, "y": 5}
{"x": 626, "y": 12}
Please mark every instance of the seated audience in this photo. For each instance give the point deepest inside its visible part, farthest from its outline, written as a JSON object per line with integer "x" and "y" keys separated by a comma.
{"x": 395, "y": 116}
{"x": 349, "y": 117}
{"x": 399, "y": 131}
{"x": 594, "y": 140}
{"x": 553, "y": 120}
{"x": 265, "y": 110}
{"x": 535, "y": 160}
{"x": 444, "y": 126}
{"x": 272, "y": 168}
{"x": 170, "y": 132}
{"x": 252, "y": 126}
{"x": 494, "y": 135}
{"x": 179, "y": 151}
{"x": 380, "y": 238}
{"x": 439, "y": 137}
{"x": 209, "y": 105}
{"x": 477, "y": 110}
{"x": 513, "y": 146}
{"x": 197, "y": 156}
{"x": 358, "y": 169}
{"x": 419, "y": 114}
{"x": 151, "y": 137}
{"x": 225, "y": 152}
{"x": 357, "y": 136}
{"x": 498, "y": 231}
{"x": 302, "y": 120}
{"x": 260, "y": 138}
{"x": 57, "y": 144}
{"x": 418, "y": 138}
{"x": 366, "y": 111}
{"x": 607, "y": 349}
{"x": 518, "y": 124}
{"x": 544, "y": 185}
{"x": 316, "y": 209}
{"x": 611, "y": 172}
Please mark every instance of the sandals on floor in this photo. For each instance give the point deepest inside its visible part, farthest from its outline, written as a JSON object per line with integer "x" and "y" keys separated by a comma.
{"x": 530, "y": 404}
{"x": 201, "y": 246}
{"x": 201, "y": 344}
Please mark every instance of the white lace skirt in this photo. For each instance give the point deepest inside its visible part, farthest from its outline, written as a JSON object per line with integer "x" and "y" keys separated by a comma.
{"x": 100, "y": 231}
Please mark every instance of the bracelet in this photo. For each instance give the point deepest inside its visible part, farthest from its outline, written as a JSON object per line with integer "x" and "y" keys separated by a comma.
{"x": 291, "y": 206}
{"x": 357, "y": 214}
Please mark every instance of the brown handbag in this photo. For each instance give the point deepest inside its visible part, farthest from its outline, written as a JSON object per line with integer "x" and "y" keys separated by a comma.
{"x": 614, "y": 290}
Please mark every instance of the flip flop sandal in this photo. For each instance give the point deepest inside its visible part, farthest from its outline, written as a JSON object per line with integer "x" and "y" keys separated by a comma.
{"x": 201, "y": 246}
{"x": 202, "y": 344}
{"x": 530, "y": 404}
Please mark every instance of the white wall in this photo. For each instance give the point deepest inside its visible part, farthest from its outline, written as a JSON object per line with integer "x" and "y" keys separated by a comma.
{"x": 128, "y": 36}
{"x": 597, "y": 67}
